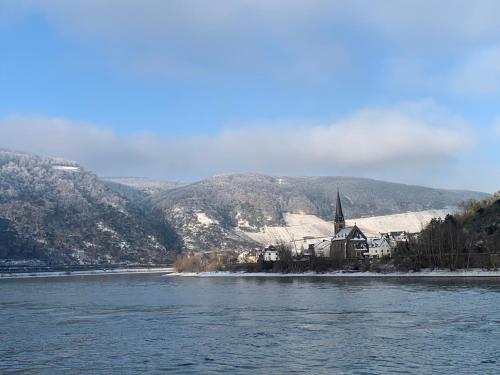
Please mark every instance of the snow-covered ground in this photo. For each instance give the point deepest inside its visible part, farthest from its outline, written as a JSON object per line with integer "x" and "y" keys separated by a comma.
{"x": 118, "y": 271}
{"x": 68, "y": 168}
{"x": 203, "y": 219}
{"x": 409, "y": 221}
{"x": 170, "y": 272}
{"x": 423, "y": 273}
{"x": 313, "y": 227}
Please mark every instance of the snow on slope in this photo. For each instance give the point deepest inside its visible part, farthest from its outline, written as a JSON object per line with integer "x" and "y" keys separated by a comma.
{"x": 409, "y": 222}
{"x": 203, "y": 219}
{"x": 297, "y": 227}
{"x": 66, "y": 168}
{"x": 311, "y": 227}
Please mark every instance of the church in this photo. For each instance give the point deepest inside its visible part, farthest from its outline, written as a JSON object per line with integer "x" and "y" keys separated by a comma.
{"x": 347, "y": 242}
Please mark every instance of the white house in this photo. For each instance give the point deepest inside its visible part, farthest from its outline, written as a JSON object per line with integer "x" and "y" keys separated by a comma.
{"x": 398, "y": 236}
{"x": 270, "y": 254}
{"x": 380, "y": 247}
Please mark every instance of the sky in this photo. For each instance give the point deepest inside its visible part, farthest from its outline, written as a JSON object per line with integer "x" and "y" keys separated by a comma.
{"x": 399, "y": 90}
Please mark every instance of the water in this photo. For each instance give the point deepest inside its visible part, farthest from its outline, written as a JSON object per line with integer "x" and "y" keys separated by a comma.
{"x": 154, "y": 324}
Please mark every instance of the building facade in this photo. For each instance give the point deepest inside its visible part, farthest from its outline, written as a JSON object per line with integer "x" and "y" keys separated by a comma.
{"x": 347, "y": 242}
{"x": 381, "y": 247}
{"x": 270, "y": 254}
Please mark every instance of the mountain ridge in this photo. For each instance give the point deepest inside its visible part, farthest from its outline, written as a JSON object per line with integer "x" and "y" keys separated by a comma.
{"x": 248, "y": 203}
{"x": 56, "y": 212}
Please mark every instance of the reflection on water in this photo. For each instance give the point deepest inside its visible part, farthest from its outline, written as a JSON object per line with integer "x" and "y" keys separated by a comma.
{"x": 147, "y": 323}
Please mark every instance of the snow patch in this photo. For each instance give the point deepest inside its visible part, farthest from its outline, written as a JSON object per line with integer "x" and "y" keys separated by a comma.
{"x": 124, "y": 245}
{"x": 348, "y": 198}
{"x": 311, "y": 228}
{"x": 104, "y": 228}
{"x": 204, "y": 219}
{"x": 243, "y": 223}
{"x": 68, "y": 168}
{"x": 423, "y": 273}
{"x": 409, "y": 222}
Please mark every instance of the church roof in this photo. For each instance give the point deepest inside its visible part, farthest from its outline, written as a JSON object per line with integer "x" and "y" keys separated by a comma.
{"x": 339, "y": 215}
{"x": 346, "y": 232}
{"x": 343, "y": 233}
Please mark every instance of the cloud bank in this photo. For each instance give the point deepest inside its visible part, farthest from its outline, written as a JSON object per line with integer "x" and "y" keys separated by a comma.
{"x": 409, "y": 140}
{"x": 292, "y": 39}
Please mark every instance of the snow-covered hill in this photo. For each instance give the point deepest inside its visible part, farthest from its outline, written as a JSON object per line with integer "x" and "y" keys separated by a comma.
{"x": 236, "y": 211}
{"x": 145, "y": 185}
{"x": 54, "y": 211}
{"x": 309, "y": 228}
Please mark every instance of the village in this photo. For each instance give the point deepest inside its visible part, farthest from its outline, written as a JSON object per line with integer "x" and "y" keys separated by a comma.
{"x": 445, "y": 243}
{"x": 347, "y": 249}
{"x": 346, "y": 243}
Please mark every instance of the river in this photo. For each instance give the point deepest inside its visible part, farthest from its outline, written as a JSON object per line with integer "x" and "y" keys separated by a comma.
{"x": 150, "y": 323}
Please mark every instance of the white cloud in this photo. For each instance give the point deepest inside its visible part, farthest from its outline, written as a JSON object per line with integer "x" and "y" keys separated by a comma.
{"x": 315, "y": 39}
{"x": 157, "y": 18}
{"x": 409, "y": 139}
{"x": 188, "y": 37}
{"x": 432, "y": 21}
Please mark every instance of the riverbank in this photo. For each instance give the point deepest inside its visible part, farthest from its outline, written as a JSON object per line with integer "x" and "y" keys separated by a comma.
{"x": 115, "y": 271}
{"x": 422, "y": 273}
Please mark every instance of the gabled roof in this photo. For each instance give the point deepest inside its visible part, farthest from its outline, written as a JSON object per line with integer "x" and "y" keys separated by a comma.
{"x": 343, "y": 233}
{"x": 375, "y": 242}
{"x": 351, "y": 233}
{"x": 322, "y": 245}
{"x": 378, "y": 242}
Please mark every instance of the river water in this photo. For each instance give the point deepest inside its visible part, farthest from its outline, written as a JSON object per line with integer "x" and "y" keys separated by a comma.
{"x": 149, "y": 323}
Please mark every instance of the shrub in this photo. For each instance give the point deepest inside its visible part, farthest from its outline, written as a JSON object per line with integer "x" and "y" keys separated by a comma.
{"x": 188, "y": 264}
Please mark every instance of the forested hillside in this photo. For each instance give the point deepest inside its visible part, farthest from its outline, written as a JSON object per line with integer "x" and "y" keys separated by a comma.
{"x": 53, "y": 211}
{"x": 467, "y": 240}
{"x": 223, "y": 211}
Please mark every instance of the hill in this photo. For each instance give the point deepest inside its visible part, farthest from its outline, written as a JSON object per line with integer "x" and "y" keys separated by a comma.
{"x": 146, "y": 186}
{"x": 482, "y": 221}
{"x": 232, "y": 210}
{"x": 467, "y": 240}
{"x": 55, "y": 212}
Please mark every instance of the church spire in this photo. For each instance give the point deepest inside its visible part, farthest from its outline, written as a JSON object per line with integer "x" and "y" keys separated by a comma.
{"x": 339, "y": 215}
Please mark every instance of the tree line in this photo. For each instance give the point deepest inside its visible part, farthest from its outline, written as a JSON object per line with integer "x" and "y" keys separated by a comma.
{"x": 467, "y": 240}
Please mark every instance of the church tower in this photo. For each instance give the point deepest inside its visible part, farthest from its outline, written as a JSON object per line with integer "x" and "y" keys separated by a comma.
{"x": 339, "y": 215}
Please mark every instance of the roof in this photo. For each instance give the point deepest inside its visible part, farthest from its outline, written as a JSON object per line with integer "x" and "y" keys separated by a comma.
{"x": 343, "y": 233}
{"x": 271, "y": 250}
{"x": 346, "y": 232}
{"x": 375, "y": 242}
{"x": 324, "y": 244}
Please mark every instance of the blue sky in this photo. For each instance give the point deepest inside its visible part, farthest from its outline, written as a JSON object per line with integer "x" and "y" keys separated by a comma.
{"x": 407, "y": 91}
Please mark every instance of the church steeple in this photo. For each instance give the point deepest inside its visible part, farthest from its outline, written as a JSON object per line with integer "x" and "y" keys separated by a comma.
{"x": 339, "y": 215}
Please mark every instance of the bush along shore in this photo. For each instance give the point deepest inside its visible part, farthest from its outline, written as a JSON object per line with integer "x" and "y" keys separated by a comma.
{"x": 397, "y": 264}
